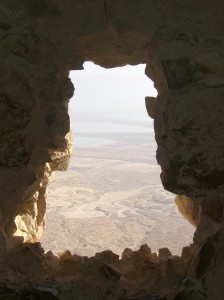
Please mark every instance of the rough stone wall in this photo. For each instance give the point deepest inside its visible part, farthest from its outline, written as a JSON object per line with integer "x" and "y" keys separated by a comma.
{"x": 182, "y": 44}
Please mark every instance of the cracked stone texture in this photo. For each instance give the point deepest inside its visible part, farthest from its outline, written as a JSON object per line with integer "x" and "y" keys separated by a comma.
{"x": 182, "y": 44}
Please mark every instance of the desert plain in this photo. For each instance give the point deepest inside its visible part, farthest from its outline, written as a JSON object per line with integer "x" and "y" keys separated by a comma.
{"x": 111, "y": 197}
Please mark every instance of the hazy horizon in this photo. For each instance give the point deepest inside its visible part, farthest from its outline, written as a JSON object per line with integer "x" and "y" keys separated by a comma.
{"x": 110, "y": 94}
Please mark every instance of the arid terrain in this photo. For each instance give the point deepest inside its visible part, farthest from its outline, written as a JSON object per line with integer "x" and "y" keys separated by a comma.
{"x": 112, "y": 198}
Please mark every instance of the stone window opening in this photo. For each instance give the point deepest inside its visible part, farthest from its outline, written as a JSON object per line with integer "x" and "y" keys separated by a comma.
{"x": 87, "y": 223}
{"x": 181, "y": 43}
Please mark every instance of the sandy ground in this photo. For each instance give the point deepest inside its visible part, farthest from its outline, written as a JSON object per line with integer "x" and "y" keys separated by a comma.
{"x": 112, "y": 198}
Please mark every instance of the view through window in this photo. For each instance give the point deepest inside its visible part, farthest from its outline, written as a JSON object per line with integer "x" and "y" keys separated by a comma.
{"x": 111, "y": 197}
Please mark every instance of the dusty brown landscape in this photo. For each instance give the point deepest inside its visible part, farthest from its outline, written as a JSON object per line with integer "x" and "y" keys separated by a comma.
{"x": 111, "y": 197}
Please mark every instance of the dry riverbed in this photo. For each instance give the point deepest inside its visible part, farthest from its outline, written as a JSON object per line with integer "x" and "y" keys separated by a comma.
{"x": 111, "y": 197}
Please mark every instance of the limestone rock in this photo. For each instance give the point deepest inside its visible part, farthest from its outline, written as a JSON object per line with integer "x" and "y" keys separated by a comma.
{"x": 36, "y": 293}
{"x": 150, "y": 103}
{"x": 111, "y": 271}
{"x": 164, "y": 252}
{"x": 127, "y": 253}
{"x": 189, "y": 208}
{"x": 26, "y": 258}
{"x": 60, "y": 158}
{"x": 182, "y": 45}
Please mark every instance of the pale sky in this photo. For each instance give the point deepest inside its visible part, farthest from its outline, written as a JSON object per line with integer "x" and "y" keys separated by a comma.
{"x": 110, "y": 91}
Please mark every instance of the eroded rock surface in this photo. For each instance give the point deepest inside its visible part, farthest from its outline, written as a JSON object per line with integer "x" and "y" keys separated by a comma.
{"x": 182, "y": 46}
{"x": 136, "y": 275}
